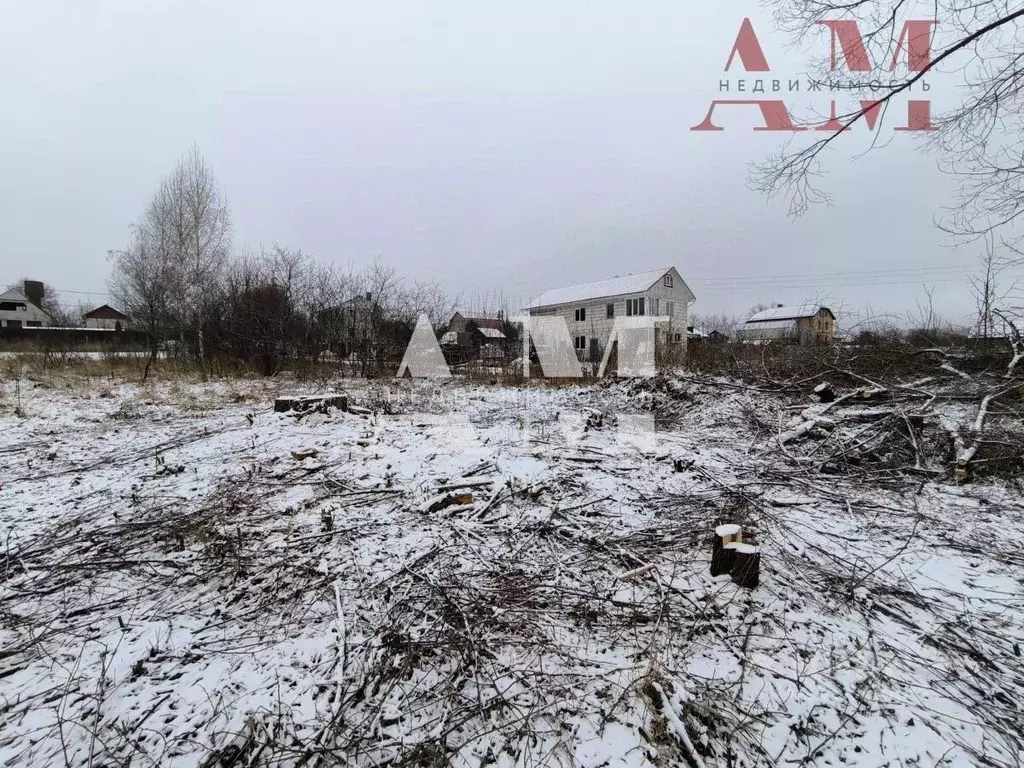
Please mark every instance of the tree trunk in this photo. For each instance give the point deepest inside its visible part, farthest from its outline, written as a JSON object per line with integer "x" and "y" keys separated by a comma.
{"x": 152, "y": 357}
{"x": 746, "y": 567}
{"x": 722, "y": 557}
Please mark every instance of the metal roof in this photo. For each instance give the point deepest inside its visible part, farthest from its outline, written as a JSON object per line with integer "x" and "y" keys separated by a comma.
{"x": 600, "y": 289}
{"x": 787, "y": 313}
{"x": 768, "y": 325}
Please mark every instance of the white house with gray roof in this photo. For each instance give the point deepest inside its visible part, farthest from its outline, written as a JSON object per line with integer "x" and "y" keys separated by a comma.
{"x": 18, "y": 311}
{"x": 590, "y": 309}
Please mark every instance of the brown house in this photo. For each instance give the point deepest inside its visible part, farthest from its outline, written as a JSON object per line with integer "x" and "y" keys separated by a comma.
{"x": 107, "y": 317}
{"x": 475, "y": 337}
{"x": 807, "y": 324}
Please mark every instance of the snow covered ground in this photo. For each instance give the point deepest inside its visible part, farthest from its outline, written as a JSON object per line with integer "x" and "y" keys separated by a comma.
{"x": 442, "y": 583}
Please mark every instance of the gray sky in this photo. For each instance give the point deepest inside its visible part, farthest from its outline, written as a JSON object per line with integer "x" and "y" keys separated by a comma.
{"x": 492, "y": 146}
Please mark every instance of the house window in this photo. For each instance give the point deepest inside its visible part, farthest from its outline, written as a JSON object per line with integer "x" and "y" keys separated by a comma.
{"x": 581, "y": 315}
{"x": 580, "y": 342}
{"x": 634, "y": 307}
{"x": 655, "y": 306}
{"x": 611, "y": 310}
{"x": 668, "y": 281}
{"x": 679, "y": 337}
{"x": 670, "y": 308}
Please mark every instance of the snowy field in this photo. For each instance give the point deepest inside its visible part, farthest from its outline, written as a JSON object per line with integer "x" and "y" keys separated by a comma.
{"x": 477, "y": 575}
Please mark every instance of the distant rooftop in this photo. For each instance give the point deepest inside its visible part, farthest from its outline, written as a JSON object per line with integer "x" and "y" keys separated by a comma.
{"x": 787, "y": 313}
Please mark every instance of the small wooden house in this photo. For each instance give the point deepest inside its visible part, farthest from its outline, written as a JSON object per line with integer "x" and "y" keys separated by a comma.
{"x": 475, "y": 338}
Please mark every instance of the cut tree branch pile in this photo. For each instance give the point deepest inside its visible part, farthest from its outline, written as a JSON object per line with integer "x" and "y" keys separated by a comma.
{"x": 249, "y": 611}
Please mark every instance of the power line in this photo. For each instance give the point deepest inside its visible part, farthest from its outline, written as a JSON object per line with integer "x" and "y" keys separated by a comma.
{"x": 881, "y": 278}
{"x": 826, "y": 285}
{"x": 900, "y": 272}
{"x": 82, "y": 293}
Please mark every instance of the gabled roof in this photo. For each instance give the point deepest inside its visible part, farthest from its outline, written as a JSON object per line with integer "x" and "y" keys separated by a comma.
{"x": 600, "y": 289}
{"x": 14, "y": 294}
{"x": 788, "y": 313}
{"x": 488, "y": 323}
{"x": 480, "y": 320}
{"x": 18, "y": 295}
{"x": 106, "y": 312}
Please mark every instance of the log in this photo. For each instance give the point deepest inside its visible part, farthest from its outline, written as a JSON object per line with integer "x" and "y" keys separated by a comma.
{"x": 446, "y": 501}
{"x": 721, "y": 557}
{"x": 746, "y": 566}
{"x": 630, "y": 575}
{"x": 308, "y": 403}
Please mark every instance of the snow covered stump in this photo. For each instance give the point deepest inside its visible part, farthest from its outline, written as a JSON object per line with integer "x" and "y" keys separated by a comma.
{"x": 746, "y": 566}
{"x": 721, "y": 557}
{"x": 824, "y": 392}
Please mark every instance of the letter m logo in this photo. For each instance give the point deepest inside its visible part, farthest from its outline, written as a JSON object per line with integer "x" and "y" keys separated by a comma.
{"x": 916, "y": 37}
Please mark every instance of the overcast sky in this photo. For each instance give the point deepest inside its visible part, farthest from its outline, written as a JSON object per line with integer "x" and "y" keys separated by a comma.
{"x": 496, "y": 147}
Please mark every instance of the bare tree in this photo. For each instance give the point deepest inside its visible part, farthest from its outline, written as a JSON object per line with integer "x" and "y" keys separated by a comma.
{"x": 169, "y": 272}
{"x": 717, "y": 321}
{"x": 189, "y": 217}
{"x": 760, "y": 307}
{"x": 144, "y": 281}
{"x": 979, "y": 140}
{"x": 61, "y": 314}
{"x": 986, "y": 289}
{"x": 429, "y": 298}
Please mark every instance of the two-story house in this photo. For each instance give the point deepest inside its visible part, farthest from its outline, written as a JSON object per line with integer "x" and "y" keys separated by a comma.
{"x": 807, "y": 324}
{"x": 590, "y": 309}
{"x": 17, "y": 310}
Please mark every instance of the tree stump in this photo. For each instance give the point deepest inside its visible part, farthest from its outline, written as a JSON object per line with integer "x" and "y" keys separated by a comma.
{"x": 308, "y": 403}
{"x": 721, "y": 557}
{"x": 824, "y": 392}
{"x": 746, "y": 566}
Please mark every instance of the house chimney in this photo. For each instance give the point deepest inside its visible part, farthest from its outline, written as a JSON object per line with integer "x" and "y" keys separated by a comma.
{"x": 35, "y": 292}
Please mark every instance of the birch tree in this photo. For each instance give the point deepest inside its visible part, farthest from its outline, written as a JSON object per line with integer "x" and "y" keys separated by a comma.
{"x": 178, "y": 249}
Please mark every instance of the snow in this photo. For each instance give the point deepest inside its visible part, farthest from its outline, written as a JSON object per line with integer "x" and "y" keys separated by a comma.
{"x": 313, "y": 611}
{"x": 784, "y": 313}
{"x": 600, "y": 289}
{"x": 730, "y": 529}
{"x": 742, "y": 548}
